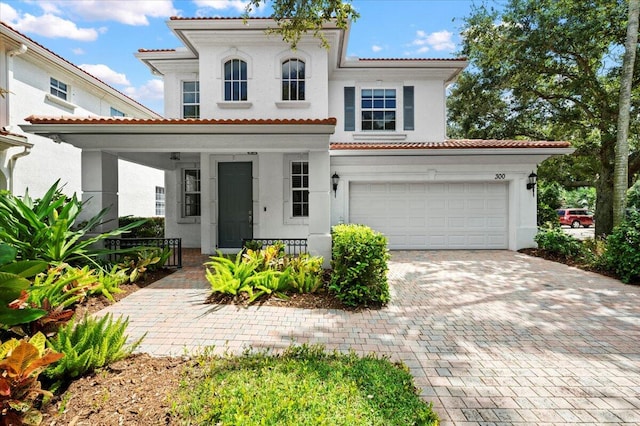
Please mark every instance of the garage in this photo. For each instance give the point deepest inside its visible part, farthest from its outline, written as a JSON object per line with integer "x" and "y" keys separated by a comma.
{"x": 442, "y": 215}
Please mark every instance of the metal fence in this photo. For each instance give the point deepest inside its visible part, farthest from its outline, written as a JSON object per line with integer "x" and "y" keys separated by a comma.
{"x": 293, "y": 246}
{"x": 173, "y": 244}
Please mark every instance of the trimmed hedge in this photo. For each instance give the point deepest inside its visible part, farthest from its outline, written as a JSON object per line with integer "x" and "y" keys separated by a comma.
{"x": 152, "y": 228}
{"x": 359, "y": 261}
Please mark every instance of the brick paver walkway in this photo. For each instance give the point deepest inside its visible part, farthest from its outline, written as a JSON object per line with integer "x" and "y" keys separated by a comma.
{"x": 491, "y": 337}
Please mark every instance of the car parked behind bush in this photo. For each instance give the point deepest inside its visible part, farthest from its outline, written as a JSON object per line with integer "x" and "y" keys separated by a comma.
{"x": 575, "y": 218}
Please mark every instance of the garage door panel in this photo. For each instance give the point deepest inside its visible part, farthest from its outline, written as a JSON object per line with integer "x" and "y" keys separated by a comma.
{"x": 433, "y": 215}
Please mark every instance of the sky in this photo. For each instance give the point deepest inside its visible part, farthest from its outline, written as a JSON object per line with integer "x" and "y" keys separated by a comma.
{"x": 101, "y": 36}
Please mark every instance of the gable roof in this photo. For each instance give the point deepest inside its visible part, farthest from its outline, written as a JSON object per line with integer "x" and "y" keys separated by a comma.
{"x": 53, "y": 57}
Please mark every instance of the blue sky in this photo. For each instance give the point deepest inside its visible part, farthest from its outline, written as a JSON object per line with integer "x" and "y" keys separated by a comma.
{"x": 101, "y": 36}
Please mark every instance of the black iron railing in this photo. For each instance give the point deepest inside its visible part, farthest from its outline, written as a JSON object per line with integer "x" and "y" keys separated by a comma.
{"x": 293, "y": 246}
{"x": 173, "y": 244}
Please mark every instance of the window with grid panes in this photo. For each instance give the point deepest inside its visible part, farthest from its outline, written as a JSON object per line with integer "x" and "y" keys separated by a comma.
{"x": 235, "y": 80}
{"x": 378, "y": 109}
{"x": 300, "y": 188}
{"x": 293, "y": 80}
{"x": 190, "y": 99}
{"x": 191, "y": 192}
{"x": 58, "y": 89}
{"x": 160, "y": 200}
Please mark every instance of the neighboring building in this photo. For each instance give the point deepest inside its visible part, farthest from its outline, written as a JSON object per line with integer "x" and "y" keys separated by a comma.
{"x": 41, "y": 82}
{"x": 256, "y": 131}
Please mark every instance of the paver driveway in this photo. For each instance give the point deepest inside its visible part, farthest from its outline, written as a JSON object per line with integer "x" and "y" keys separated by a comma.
{"x": 493, "y": 337}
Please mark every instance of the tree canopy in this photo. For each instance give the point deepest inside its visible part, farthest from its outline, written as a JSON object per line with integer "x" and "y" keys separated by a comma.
{"x": 550, "y": 69}
{"x": 298, "y": 17}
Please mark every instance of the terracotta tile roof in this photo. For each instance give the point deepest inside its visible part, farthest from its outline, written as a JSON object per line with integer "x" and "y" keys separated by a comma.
{"x": 413, "y": 59}
{"x": 450, "y": 144}
{"x": 155, "y": 50}
{"x": 218, "y": 18}
{"x": 73, "y": 65}
{"x": 33, "y": 119}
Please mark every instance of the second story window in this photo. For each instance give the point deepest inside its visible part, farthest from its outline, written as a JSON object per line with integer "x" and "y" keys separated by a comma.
{"x": 378, "y": 109}
{"x": 293, "y": 80}
{"x": 190, "y": 99}
{"x": 235, "y": 80}
{"x": 115, "y": 112}
{"x": 58, "y": 89}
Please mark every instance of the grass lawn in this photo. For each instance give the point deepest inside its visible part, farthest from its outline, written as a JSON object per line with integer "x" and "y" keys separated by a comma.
{"x": 302, "y": 386}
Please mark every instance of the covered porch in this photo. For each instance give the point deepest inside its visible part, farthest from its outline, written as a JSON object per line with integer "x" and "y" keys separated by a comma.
{"x": 225, "y": 180}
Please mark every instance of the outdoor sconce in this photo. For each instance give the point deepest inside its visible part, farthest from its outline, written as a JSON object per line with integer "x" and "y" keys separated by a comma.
{"x": 531, "y": 183}
{"x": 174, "y": 156}
{"x": 335, "y": 179}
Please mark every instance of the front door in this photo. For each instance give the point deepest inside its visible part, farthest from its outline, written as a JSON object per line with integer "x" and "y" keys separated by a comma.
{"x": 235, "y": 204}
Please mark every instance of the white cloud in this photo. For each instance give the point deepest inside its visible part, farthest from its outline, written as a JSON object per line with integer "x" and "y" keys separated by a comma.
{"x": 238, "y": 5}
{"x": 52, "y": 26}
{"x": 106, "y": 74}
{"x": 8, "y": 13}
{"x": 130, "y": 12}
{"x": 152, "y": 90}
{"x": 376, "y": 48}
{"x": 439, "y": 40}
{"x": 78, "y": 51}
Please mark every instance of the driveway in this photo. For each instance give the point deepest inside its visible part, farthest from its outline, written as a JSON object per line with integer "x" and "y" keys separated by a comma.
{"x": 491, "y": 337}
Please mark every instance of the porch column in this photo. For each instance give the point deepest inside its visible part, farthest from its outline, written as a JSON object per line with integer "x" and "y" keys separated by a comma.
{"x": 100, "y": 187}
{"x": 319, "y": 239}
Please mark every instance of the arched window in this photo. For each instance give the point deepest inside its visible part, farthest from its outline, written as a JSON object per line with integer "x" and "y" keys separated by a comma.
{"x": 235, "y": 80}
{"x": 293, "y": 80}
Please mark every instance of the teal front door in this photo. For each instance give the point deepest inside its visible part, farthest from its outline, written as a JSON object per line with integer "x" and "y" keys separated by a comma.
{"x": 235, "y": 204}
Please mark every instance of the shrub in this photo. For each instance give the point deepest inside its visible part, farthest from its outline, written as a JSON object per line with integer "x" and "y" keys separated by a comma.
{"x": 554, "y": 240}
{"x": 21, "y": 363}
{"x": 153, "y": 227}
{"x": 359, "y": 260}
{"x": 622, "y": 254}
{"x": 88, "y": 345}
{"x": 139, "y": 260}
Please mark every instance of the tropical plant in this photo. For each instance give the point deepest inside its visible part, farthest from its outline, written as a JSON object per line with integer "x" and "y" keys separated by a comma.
{"x": 230, "y": 277}
{"x": 89, "y": 344}
{"x": 359, "y": 260}
{"x": 13, "y": 286}
{"x": 62, "y": 286}
{"x": 153, "y": 227}
{"x": 21, "y": 363}
{"x": 48, "y": 229}
{"x": 139, "y": 260}
{"x": 305, "y": 272}
{"x": 109, "y": 283}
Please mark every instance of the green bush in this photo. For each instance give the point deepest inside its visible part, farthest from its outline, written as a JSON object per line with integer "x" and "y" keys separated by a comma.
{"x": 152, "y": 228}
{"x": 555, "y": 240}
{"x": 359, "y": 261}
{"x": 88, "y": 345}
{"x": 622, "y": 253}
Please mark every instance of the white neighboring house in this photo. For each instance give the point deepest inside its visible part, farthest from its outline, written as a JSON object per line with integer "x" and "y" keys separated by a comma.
{"x": 261, "y": 141}
{"x": 41, "y": 82}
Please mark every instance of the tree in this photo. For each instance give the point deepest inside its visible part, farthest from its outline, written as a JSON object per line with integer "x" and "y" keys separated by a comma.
{"x": 556, "y": 66}
{"x": 621, "y": 165}
{"x": 298, "y": 17}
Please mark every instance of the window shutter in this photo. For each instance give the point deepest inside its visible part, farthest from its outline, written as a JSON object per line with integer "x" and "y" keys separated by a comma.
{"x": 407, "y": 92}
{"x": 349, "y": 109}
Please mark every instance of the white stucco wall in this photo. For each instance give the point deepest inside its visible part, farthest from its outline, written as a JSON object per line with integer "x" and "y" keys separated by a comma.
{"x": 28, "y": 79}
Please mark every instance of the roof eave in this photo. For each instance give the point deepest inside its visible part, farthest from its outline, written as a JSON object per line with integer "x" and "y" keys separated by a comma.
{"x": 450, "y": 152}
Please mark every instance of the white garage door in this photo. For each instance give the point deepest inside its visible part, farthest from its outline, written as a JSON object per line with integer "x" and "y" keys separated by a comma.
{"x": 433, "y": 215}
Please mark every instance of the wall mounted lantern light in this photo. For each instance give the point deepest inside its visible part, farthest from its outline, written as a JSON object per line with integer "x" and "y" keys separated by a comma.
{"x": 531, "y": 182}
{"x": 174, "y": 156}
{"x": 335, "y": 179}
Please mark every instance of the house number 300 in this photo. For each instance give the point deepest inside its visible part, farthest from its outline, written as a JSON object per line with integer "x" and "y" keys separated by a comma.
{"x": 500, "y": 176}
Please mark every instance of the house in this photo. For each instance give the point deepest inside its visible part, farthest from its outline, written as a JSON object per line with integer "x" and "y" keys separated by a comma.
{"x": 41, "y": 82}
{"x": 261, "y": 141}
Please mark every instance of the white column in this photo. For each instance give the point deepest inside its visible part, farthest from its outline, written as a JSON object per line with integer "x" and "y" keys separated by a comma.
{"x": 100, "y": 187}
{"x": 320, "y": 206}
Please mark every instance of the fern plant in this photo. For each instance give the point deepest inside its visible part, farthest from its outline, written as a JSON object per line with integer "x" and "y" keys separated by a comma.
{"x": 88, "y": 345}
{"x": 109, "y": 283}
{"x": 230, "y": 277}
